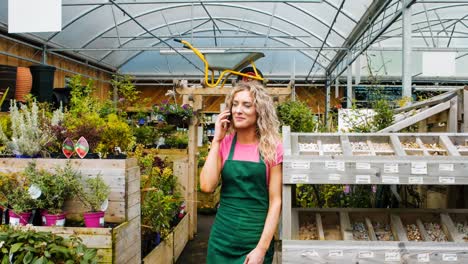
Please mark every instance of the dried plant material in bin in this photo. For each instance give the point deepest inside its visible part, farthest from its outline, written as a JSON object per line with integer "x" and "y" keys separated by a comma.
{"x": 308, "y": 231}
{"x": 435, "y": 232}
{"x": 331, "y": 148}
{"x": 308, "y": 147}
{"x": 463, "y": 229}
{"x": 382, "y": 147}
{"x": 411, "y": 145}
{"x": 383, "y": 232}
{"x": 412, "y": 231}
{"x": 358, "y": 146}
{"x": 360, "y": 231}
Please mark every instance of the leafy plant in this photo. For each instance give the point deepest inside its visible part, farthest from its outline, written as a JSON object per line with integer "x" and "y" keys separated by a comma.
{"x": 183, "y": 112}
{"x": 144, "y": 135}
{"x": 297, "y": 115}
{"x": 93, "y": 193}
{"x": 116, "y": 133}
{"x": 28, "y": 136}
{"x": 126, "y": 92}
{"x": 28, "y": 246}
{"x": 56, "y": 187}
{"x": 15, "y": 192}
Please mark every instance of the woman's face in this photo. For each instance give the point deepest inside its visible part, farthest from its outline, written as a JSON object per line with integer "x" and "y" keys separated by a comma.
{"x": 244, "y": 114}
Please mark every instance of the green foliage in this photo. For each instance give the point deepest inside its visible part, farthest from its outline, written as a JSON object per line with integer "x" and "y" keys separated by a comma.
{"x": 126, "y": 92}
{"x": 28, "y": 136}
{"x": 56, "y": 187}
{"x": 82, "y": 102}
{"x": 144, "y": 135}
{"x": 116, "y": 133}
{"x": 182, "y": 112}
{"x": 333, "y": 196}
{"x": 93, "y": 193}
{"x": 28, "y": 246}
{"x": 297, "y": 115}
{"x": 383, "y": 114}
{"x": 14, "y": 193}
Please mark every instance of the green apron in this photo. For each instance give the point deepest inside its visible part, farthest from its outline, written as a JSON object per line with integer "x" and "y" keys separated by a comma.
{"x": 242, "y": 212}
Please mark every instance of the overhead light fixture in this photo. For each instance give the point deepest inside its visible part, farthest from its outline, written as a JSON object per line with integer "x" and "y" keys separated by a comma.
{"x": 187, "y": 51}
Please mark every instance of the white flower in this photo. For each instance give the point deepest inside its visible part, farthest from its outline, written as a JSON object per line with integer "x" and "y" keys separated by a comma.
{"x": 1, "y": 243}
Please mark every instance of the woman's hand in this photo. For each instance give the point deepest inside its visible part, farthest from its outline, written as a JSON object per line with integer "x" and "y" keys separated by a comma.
{"x": 221, "y": 125}
{"x": 255, "y": 256}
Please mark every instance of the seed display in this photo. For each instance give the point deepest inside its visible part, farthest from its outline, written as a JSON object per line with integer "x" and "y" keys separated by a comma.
{"x": 413, "y": 233}
{"x": 463, "y": 229}
{"x": 308, "y": 147}
{"x": 435, "y": 232}
{"x": 383, "y": 232}
{"x": 308, "y": 231}
{"x": 382, "y": 147}
{"x": 331, "y": 147}
{"x": 410, "y": 145}
{"x": 357, "y": 146}
{"x": 433, "y": 146}
{"x": 360, "y": 231}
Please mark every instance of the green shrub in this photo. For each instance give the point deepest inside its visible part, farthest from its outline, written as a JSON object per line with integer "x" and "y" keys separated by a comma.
{"x": 297, "y": 115}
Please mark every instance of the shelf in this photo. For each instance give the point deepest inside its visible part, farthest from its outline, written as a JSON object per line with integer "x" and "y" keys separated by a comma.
{"x": 334, "y": 236}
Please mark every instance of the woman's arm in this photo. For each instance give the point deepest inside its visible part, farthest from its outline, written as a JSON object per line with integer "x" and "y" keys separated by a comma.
{"x": 272, "y": 219}
{"x": 209, "y": 176}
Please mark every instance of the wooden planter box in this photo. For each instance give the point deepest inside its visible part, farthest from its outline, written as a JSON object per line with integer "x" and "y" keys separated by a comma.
{"x": 121, "y": 244}
{"x": 169, "y": 250}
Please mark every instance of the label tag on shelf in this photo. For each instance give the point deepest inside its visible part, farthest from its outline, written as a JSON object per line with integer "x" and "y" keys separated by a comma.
{"x": 449, "y": 257}
{"x": 446, "y": 179}
{"x": 390, "y": 179}
{"x": 299, "y": 178}
{"x": 363, "y": 166}
{"x": 423, "y": 257}
{"x": 391, "y": 168}
{"x": 335, "y": 253}
{"x": 334, "y": 177}
{"x": 300, "y": 165}
{"x": 445, "y": 167}
{"x": 415, "y": 180}
{"x": 366, "y": 254}
{"x": 392, "y": 256}
{"x": 363, "y": 179}
{"x": 335, "y": 165}
{"x": 418, "y": 167}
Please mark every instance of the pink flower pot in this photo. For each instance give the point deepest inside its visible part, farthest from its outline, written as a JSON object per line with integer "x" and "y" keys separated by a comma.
{"x": 94, "y": 219}
{"x": 19, "y": 219}
{"x": 43, "y": 218}
{"x": 54, "y": 220}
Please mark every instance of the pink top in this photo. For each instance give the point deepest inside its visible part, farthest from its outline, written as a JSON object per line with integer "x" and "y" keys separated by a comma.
{"x": 247, "y": 152}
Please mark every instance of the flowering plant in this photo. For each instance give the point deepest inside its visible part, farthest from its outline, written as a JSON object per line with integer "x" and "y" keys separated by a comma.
{"x": 183, "y": 112}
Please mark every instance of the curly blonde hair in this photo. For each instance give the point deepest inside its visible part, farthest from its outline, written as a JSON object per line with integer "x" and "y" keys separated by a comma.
{"x": 267, "y": 127}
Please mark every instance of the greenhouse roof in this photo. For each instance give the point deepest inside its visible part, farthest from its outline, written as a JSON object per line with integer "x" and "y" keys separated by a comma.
{"x": 300, "y": 39}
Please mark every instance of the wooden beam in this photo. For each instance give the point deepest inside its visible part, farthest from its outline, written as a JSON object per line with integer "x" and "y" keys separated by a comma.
{"x": 450, "y": 229}
{"x": 318, "y": 222}
{"x": 465, "y": 109}
{"x": 370, "y": 227}
{"x": 286, "y": 212}
{"x": 398, "y": 229}
{"x": 345, "y": 226}
{"x": 448, "y": 145}
{"x": 430, "y": 102}
{"x": 452, "y": 122}
{"x": 224, "y": 91}
{"x": 417, "y": 117}
{"x": 422, "y": 230}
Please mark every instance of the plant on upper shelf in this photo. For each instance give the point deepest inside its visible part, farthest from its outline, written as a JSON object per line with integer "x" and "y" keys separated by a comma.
{"x": 116, "y": 134}
{"x": 30, "y": 246}
{"x": 93, "y": 193}
{"x": 28, "y": 134}
{"x": 56, "y": 188}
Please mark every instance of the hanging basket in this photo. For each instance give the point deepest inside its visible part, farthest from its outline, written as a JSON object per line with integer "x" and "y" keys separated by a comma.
{"x": 177, "y": 120}
{"x": 23, "y": 83}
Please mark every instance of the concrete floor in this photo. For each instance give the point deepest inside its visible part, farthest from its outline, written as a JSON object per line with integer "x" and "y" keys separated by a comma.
{"x": 195, "y": 250}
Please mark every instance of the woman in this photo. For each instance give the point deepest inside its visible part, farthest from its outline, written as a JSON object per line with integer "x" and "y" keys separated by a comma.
{"x": 246, "y": 151}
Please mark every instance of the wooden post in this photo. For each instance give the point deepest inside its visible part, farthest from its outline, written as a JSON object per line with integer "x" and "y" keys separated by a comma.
{"x": 465, "y": 109}
{"x": 452, "y": 123}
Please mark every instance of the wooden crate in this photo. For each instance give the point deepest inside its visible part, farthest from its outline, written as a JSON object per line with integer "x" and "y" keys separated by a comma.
{"x": 121, "y": 244}
{"x": 169, "y": 250}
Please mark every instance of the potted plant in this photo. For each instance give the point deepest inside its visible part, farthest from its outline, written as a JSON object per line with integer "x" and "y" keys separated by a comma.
{"x": 181, "y": 139}
{"x": 53, "y": 190}
{"x": 173, "y": 113}
{"x": 16, "y": 197}
{"x": 117, "y": 137}
{"x": 297, "y": 115}
{"x": 94, "y": 194}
